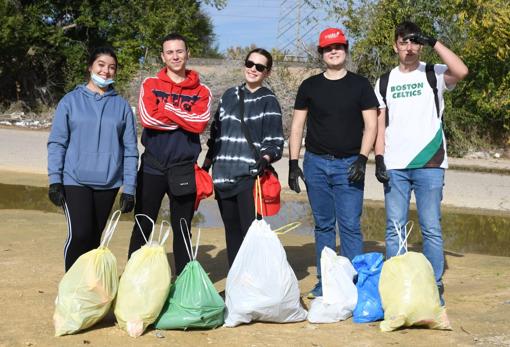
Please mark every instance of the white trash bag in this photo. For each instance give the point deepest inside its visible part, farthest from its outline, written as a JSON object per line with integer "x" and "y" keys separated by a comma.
{"x": 261, "y": 285}
{"x": 339, "y": 292}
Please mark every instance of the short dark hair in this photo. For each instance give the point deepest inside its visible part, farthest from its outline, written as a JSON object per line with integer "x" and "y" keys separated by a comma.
{"x": 265, "y": 53}
{"x": 98, "y": 51}
{"x": 174, "y": 36}
{"x": 405, "y": 28}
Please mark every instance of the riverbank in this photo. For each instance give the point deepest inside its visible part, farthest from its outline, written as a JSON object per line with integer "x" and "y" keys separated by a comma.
{"x": 477, "y": 291}
{"x": 23, "y": 159}
{"x": 477, "y": 296}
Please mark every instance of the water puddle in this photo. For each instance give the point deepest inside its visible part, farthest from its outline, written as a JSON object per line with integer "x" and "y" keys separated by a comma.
{"x": 463, "y": 231}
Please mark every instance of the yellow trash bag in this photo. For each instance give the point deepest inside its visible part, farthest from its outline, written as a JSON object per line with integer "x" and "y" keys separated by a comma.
{"x": 409, "y": 293}
{"x": 87, "y": 290}
{"x": 144, "y": 285}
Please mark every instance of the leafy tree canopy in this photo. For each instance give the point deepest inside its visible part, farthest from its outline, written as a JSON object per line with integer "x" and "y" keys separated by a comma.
{"x": 44, "y": 44}
{"x": 477, "y": 30}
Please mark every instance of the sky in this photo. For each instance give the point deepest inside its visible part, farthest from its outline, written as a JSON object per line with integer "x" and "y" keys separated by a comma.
{"x": 243, "y": 22}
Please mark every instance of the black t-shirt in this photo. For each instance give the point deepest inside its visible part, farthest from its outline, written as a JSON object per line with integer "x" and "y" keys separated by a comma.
{"x": 334, "y": 120}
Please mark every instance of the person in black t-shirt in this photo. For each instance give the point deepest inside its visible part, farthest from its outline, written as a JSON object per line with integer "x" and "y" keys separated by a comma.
{"x": 339, "y": 108}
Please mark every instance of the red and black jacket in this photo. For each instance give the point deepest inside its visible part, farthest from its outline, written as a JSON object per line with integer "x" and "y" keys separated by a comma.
{"x": 173, "y": 115}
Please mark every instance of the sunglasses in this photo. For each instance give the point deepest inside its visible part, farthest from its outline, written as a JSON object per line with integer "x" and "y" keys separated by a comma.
{"x": 259, "y": 67}
{"x": 336, "y": 47}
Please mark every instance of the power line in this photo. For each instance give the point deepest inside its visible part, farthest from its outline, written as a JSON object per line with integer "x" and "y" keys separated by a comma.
{"x": 296, "y": 24}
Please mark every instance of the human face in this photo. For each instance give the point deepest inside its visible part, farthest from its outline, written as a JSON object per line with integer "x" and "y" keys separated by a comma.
{"x": 334, "y": 55}
{"x": 175, "y": 56}
{"x": 104, "y": 66}
{"x": 254, "y": 78}
{"x": 408, "y": 51}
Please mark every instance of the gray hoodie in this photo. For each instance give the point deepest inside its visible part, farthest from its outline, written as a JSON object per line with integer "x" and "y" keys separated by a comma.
{"x": 93, "y": 141}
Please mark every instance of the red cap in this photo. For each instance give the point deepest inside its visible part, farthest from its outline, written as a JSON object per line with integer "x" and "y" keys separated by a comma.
{"x": 271, "y": 188}
{"x": 331, "y": 36}
{"x": 204, "y": 185}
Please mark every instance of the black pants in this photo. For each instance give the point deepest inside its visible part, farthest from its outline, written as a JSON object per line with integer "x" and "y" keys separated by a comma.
{"x": 237, "y": 213}
{"x": 149, "y": 193}
{"x": 88, "y": 213}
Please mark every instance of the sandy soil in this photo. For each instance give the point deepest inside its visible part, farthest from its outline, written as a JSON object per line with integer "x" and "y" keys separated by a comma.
{"x": 31, "y": 259}
{"x": 477, "y": 294}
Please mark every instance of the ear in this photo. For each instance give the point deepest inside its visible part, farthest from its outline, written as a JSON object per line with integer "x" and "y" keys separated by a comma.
{"x": 162, "y": 57}
{"x": 395, "y": 49}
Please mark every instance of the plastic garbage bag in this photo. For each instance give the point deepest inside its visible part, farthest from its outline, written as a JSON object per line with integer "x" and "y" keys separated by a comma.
{"x": 144, "y": 285}
{"x": 193, "y": 301}
{"x": 409, "y": 292}
{"x": 87, "y": 290}
{"x": 261, "y": 285}
{"x": 368, "y": 308}
{"x": 339, "y": 292}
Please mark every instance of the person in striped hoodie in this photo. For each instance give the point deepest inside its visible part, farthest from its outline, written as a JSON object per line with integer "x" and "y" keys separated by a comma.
{"x": 235, "y": 162}
{"x": 174, "y": 108}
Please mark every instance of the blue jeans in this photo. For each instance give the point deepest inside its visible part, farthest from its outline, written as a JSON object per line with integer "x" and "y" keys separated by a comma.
{"x": 427, "y": 184}
{"x": 334, "y": 201}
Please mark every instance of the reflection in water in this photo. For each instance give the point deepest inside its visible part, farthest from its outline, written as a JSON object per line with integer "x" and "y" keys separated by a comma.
{"x": 463, "y": 232}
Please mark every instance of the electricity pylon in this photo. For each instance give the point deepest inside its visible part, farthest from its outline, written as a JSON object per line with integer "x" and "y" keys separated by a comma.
{"x": 297, "y": 26}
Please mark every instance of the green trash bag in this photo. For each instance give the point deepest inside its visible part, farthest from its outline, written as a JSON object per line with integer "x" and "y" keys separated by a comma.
{"x": 193, "y": 302}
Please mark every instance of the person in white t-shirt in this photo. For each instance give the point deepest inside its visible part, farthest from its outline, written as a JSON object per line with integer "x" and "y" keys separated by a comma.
{"x": 410, "y": 146}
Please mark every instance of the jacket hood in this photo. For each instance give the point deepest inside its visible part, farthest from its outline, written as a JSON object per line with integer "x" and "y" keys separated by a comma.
{"x": 192, "y": 79}
{"x": 84, "y": 90}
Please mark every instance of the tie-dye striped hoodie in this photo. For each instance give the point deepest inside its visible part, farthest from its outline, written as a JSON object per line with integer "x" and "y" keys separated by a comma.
{"x": 229, "y": 150}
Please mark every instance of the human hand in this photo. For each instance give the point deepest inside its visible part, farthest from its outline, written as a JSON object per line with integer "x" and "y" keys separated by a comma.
{"x": 380, "y": 170}
{"x": 357, "y": 169}
{"x": 127, "y": 203}
{"x": 295, "y": 173}
{"x": 260, "y": 167}
{"x": 421, "y": 39}
{"x": 56, "y": 194}
{"x": 206, "y": 165}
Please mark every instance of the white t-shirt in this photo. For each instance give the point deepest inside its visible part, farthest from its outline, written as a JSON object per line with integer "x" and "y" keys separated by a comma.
{"x": 414, "y": 137}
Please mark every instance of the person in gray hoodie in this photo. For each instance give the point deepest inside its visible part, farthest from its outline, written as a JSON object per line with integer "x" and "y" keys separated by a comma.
{"x": 92, "y": 152}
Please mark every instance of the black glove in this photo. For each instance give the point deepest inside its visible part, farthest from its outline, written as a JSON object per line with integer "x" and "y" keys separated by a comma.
{"x": 380, "y": 169}
{"x": 259, "y": 167}
{"x": 294, "y": 173}
{"x": 127, "y": 203}
{"x": 56, "y": 194}
{"x": 421, "y": 39}
{"x": 206, "y": 165}
{"x": 357, "y": 169}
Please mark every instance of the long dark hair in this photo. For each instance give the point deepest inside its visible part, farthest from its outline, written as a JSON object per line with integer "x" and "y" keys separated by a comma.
{"x": 101, "y": 51}
{"x": 265, "y": 53}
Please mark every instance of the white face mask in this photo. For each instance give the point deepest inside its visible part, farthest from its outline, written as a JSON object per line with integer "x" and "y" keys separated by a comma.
{"x": 99, "y": 81}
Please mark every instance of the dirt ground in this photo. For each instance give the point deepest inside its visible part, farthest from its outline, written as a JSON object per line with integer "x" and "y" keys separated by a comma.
{"x": 31, "y": 259}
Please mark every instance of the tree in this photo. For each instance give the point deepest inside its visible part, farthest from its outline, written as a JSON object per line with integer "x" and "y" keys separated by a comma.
{"x": 478, "y": 31}
{"x": 44, "y": 44}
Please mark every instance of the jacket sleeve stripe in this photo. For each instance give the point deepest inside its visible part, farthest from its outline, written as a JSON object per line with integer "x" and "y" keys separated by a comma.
{"x": 193, "y": 117}
{"x": 145, "y": 117}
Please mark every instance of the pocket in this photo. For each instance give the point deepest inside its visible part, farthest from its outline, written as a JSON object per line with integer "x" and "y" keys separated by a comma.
{"x": 95, "y": 168}
{"x": 181, "y": 178}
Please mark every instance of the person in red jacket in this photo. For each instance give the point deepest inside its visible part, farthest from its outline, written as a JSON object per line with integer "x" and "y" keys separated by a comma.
{"x": 174, "y": 108}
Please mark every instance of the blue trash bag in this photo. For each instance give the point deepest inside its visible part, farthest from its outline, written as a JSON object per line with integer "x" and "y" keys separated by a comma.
{"x": 369, "y": 307}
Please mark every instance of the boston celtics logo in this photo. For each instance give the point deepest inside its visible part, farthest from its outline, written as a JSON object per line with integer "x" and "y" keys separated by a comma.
{"x": 406, "y": 90}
